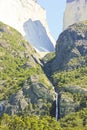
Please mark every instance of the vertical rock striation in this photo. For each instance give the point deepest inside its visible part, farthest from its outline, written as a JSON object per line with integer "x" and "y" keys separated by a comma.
{"x": 76, "y": 11}
{"x": 29, "y": 18}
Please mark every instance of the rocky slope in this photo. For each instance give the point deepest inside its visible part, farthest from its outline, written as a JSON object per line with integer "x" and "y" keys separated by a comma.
{"x": 71, "y": 48}
{"x": 24, "y": 88}
{"x": 26, "y": 92}
{"x": 68, "y": 69}
{"x": 75, "y": 11}
{"x": 29, "y": 18}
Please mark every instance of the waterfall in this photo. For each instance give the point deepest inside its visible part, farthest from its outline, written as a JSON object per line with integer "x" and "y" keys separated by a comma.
{"x": 56, "y": 106}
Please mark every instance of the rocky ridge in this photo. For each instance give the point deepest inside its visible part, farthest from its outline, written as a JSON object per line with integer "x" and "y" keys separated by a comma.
{"x": 26, "y": 91}
{"x": 24, "y": 88}
{"x": 71, "y": 48}
{"x": 68, "y": 69}
{"x": 70, "y": 65}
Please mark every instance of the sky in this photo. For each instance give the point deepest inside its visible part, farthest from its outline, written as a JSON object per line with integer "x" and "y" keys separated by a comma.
{"x": 54, "y": 11}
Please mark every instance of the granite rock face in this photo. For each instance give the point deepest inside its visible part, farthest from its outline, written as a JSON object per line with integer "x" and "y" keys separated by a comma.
{"x": 29, "y": 18}
{"x": 72, "y": 43}
{"x": 75, "y": 12}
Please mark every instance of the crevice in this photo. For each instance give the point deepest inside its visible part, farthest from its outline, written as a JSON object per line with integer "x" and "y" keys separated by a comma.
{"x": 54, "y": 112}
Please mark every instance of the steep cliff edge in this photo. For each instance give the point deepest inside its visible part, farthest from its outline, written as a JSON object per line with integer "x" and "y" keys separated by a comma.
{"x": 29, "y": 18}
{"x": 75, "y": 12}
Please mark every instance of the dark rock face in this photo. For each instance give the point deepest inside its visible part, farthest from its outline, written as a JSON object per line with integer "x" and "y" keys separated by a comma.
{"x": 72, "y": 43}
{"x": 34, "y": 99}
{"x": 71, "y": 56}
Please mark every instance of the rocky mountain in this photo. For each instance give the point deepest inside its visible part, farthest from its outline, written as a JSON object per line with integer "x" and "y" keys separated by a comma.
{"x": 71, "y": 48}
{"x": 28, "y": 100}
{"x": 68, "y": 69}
{"x": 24, "y": 88}
{"x": 29, "y": 18}
{"x": 75, "y": 12}
{"x": 26, "y": 93}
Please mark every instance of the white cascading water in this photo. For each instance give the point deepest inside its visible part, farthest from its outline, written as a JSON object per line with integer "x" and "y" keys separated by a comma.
{"x": 56, "y": 106}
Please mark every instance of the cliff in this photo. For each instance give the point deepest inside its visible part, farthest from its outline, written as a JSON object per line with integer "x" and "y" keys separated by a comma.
{"x": 27, "y": 95}
{"x": 75, "y": 12}
{"x": 29, "y": 18}
{"x": 71, "y": 48}
{"x": 69, "y": 69}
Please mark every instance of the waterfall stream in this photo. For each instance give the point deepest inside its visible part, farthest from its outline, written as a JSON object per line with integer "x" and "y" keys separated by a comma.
{"x": 56, "y": 106}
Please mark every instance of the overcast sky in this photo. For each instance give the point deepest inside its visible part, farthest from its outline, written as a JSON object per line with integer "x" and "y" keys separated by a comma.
{"x": 55, "y": 10}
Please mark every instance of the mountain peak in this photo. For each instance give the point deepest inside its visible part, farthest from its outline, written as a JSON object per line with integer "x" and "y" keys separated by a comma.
{"x": 23, "y": 16}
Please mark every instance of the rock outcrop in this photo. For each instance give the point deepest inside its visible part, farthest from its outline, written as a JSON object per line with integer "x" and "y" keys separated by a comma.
{"x": 34, "y": 99}
{"x": 75, "y": 12}
{"x": 69, "y": 67}
{"x": 71, "y": 44}
{"x": 29, "y": 18}
{"x": 24, "y": 88}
